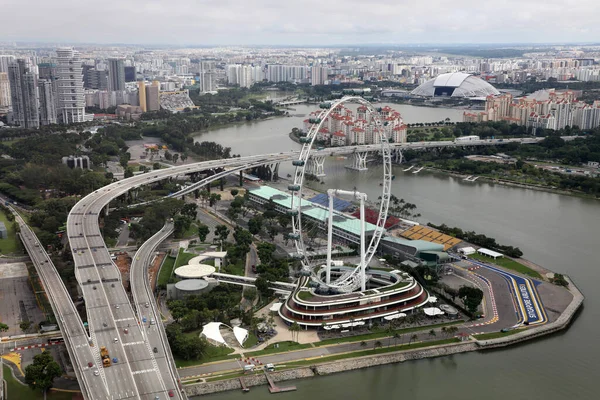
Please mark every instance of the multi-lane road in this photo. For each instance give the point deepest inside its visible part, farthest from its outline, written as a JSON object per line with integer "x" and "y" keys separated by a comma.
{"x": 145, "y": 306}
{"x": 76, "y": 338}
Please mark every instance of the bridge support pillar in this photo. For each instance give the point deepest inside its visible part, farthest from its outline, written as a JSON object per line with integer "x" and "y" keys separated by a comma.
{"x": 276, "y": 172}
{"x": 359, "y": 162}
{"x": 241, "y": 178}
{"x": 397, "y": 156}
{"x": 106, "y": 210}
{"x": 316, "y": 166}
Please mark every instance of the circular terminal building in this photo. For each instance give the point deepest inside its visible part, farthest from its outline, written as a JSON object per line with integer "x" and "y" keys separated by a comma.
{"x": 388, "y": 294}
{"x": 190, "y": 287}
{"x": 196, "y": 271}
{"x": 456, "y": 84}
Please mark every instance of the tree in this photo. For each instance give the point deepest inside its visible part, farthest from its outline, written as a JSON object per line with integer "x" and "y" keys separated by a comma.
{"x": 413, "y": 337}
{"x": 3, "y": 327}
{"x": 452, "y": 330}
{"x": 250, "y": 294}
{"x": 181, "y": 224}
{"x": 175, "y": 158}
{"x": 190, "y": 210}
{"x": 222, "y": 232}
{"x": 168, "y": 155}
{"x": 363, "y": 344}
{"x": 234, "y": 192}
{"x": 243, "y": 238}
{"x": 377, "y": 344}
{"x": 262, "y": 285}
{"x": 43, "y": 371}
{"x": 25, "y": 325}
{"x": 183, "y": 157}
{"x": 294, "y": 328}
{"x": 203, "y": 231}
{"x": 255, "y": 224}
{"x": 432, "y": 333}
{"x": 212, "y": 200}
{"x": 471, "y": 297}
{"x": 128, "y": 172}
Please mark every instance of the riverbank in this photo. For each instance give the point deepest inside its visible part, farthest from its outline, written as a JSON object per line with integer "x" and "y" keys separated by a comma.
{"x": 505, "y": 182}
{"x": 318, "y": 368}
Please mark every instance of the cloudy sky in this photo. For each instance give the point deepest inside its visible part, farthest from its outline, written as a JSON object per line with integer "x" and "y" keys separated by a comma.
{"x": 300, "y": 22}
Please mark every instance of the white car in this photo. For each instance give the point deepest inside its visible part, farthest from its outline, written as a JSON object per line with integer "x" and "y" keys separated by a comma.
{"x": 96, "y": 372}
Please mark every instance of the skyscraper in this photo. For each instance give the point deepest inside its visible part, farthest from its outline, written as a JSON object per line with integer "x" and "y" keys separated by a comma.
{"x": 4, "y": 92}
{"x": 47, "y": 102}
{"x": 4, "y": 61}
{"x": 24, "y": 94}
{"x": 47, "y": 71}
{"x": 318, "y": 75}
{"x": 153, "y": 96}
{"x": 116, "y": 74}
{"x": 129, "y": 74}
{"x": 71, "y": 100}
{"x": 142, "y": 95}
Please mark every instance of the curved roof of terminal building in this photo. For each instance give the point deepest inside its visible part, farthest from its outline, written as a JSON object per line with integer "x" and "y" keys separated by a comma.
{"x": 194, "y": 271}
{"x": 455, "y": 84}
{"x": 191, "y": 285}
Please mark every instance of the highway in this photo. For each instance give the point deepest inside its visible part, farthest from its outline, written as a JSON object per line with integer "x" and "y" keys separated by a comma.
{"x": 76, "y": 338}
{"x": 111, "y": 317}
{"x": 146, "y": 308}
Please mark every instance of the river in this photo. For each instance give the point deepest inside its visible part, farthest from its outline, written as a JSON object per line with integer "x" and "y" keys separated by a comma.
{"x": 557, "y": 231}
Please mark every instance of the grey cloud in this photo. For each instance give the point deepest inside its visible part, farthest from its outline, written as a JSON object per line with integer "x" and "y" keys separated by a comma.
{"x": 310, "y": 22}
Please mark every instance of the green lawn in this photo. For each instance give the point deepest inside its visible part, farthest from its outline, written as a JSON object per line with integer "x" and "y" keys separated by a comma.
{"x": 165, "y": 271}
{"x": 508, "y": 264}
{"x": 383, "y": 333}
{"x": 251, "y": 341}
{"x": 397, "y": 285}
{"x": 183, "y": 258}
{"x": 304, "y": 295}
{"x": 213, "y": 353}
{"x": 17, "y": 391}
{"x": 191, "y": 232}
{"x": 283, "y": 347}
{"x": 235, "y": 269}
{"x": 10, "y": 244}
{"x": 495, "y": 335}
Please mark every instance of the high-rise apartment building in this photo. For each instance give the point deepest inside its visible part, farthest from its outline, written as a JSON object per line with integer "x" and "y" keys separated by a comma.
{"x": 4, "y": 92}
{"x": 71, "y": 100}
{"x": 47, "y": 71}
{"x": 24, "y": 94}
{"x": 116, "y": 74}
{"x": 4, "y": 61}
{"x": 318, "y": 75}
{"x": 47, "y": 102}
{"x": 153, "y": 96}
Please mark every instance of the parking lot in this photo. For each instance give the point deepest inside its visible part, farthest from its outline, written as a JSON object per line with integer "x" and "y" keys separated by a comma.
{"x": 17, "y": 300}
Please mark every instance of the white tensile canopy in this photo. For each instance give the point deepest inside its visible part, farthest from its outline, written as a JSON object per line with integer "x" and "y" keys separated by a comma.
{"x": 212, "y": 332}
{"x": 240, "y": 334}
{"x": 433, "y": 311}
{"x": 394, "y": 316}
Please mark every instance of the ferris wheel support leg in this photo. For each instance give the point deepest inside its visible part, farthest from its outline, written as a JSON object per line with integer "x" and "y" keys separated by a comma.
{"x": 329, "y": 238}
{"x": 363, "y": 267}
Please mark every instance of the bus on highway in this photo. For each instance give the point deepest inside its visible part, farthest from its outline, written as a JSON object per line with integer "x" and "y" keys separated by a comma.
{"x": 56, "y": 339}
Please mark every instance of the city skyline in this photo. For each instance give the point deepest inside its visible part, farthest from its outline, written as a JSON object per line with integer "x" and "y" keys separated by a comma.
{"x": 310, "y": 23}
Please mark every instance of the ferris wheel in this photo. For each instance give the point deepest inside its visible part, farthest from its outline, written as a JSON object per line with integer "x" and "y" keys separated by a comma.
{"x": 350, "y": 280}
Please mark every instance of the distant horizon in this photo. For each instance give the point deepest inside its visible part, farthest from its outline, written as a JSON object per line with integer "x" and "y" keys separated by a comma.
{"x": 493, "y": 45}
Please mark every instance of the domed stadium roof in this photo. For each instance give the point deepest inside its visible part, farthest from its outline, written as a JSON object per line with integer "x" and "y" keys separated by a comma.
{"x": 455, "y": 84}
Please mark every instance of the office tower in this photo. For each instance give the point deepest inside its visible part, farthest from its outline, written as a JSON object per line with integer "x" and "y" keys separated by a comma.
{"x": 318, "y": 75}
{"x": 153, "y": 96}
{"x": 95, "y": 79}
{"x": 4, "y": 61}
{"x": 130, "y": 74}
{"x": 24, "y": 94}
{"x": 47, "y": 102}
{"x": 116, "y": 74}
{"x": 71, "y": 100}
{"x": 4, "y": 92}
{"x": 142, "y": 95}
